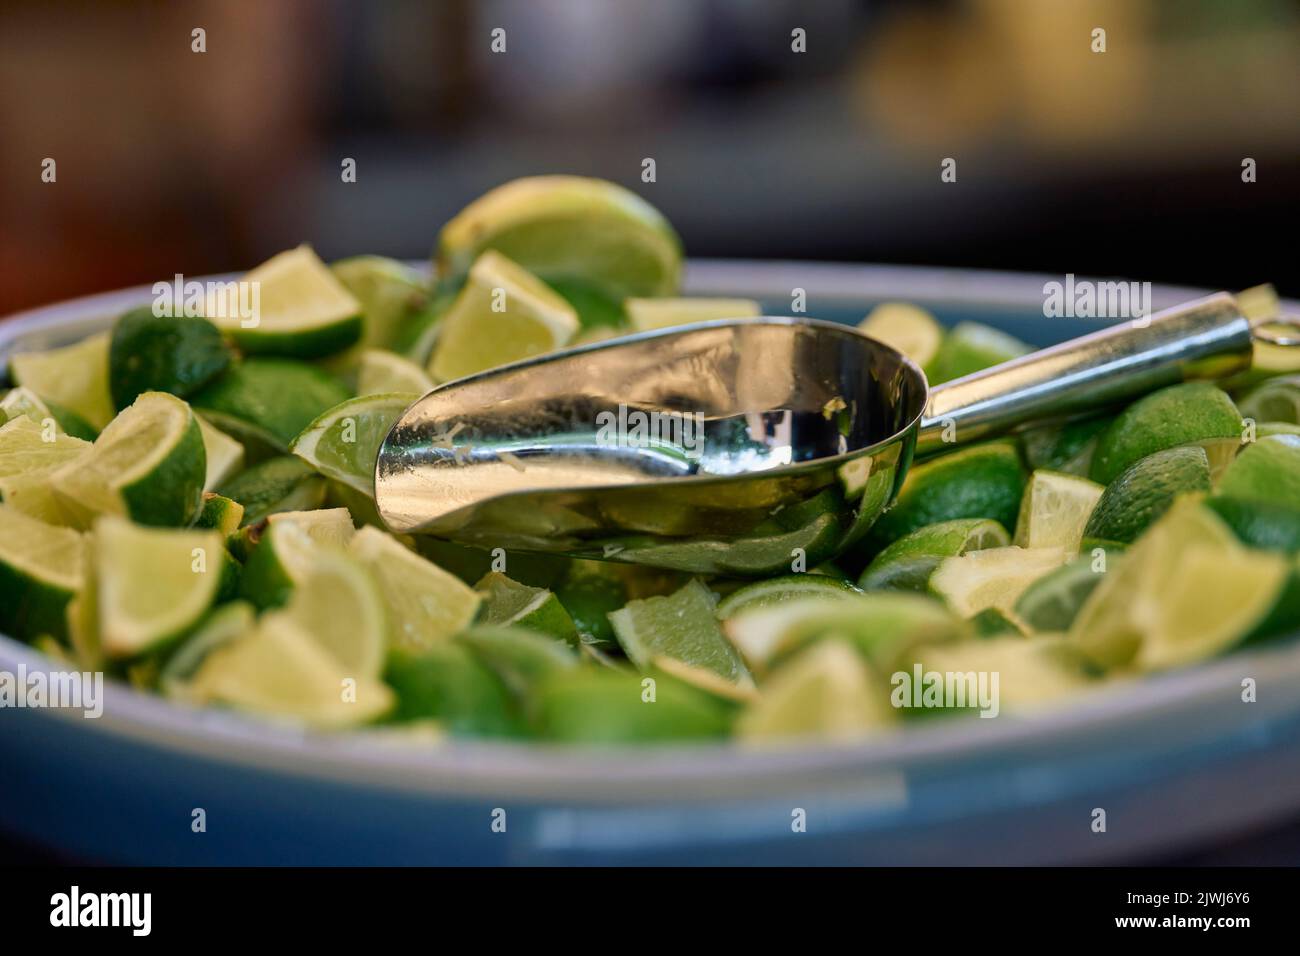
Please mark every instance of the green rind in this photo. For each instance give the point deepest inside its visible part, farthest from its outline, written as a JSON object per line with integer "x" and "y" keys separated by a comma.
{"x": 171, "y": 494}
{"x": 278, "y": 396}
{"x": 1146, "y": 490}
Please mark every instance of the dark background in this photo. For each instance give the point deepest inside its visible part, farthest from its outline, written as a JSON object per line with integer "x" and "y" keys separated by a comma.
{"x": 1124, "y": 163}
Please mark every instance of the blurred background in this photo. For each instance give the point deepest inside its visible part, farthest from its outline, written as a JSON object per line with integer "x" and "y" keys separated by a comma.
{"x": 1124, "y": 163}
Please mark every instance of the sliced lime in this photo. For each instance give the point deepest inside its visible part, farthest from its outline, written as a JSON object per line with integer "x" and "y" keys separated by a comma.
{"x": 602, "y": 706}
{"x": 1055, "y": 509}
{"x": 508, "y": 603}
{"x": 447, "y": 683}
{"x": 301, "y": 308}
{"x": 343, "y": 443}
{"x": 338, "y": 603}
{"x": 1172, "y": 416}
{"x": 589, "y": 591}
{"x": 906, "y": 564}
{"x": 993, "y": 578}
{"x": 274, "y": 486}
{"x": 75, "y": 376}
{"x": 154, "y": 584}
{"x": 1259, "y": 523}
{"x": 159, "y": 353}
{"x": 1145, "y": 490}
{"x": 1065, "y": 448}
{"x": 387, "y": 372}
{"x": 788, "y": 587}
{"x": 148, "y": 465}
{"x": 426, "y": 605}
{"x": 390, "y": 292}
{"x": 22, "y": 402}
{"x": 274, "y": 398}
{"x": 503, "y": 314}
{"x": 522, "y": 659}
{"x": 907, "y": 328}
{"x": 972, "y": 347}
{"x": 42, "y": 567}
{"x": 1050, "y": 603}
{"x": 569, "y": 227}
{"x": 647, "y": 314}
{"x": 220, "y": 514}
{"x": 226, "y": 623}
{"x": 281, "y": 556}
{"x": 224, "y": 455}
{"x": 1001, "y": 674}
{"x": 683, "y": 626}
{"x": 1265, "y": 470}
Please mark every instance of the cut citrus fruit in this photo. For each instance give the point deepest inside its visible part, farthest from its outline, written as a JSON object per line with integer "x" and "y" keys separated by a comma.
{"x": 387, "y": 372}
{"x": 42, "y": 568}
{"x": 1145, "y": 490}
{"x": 972, "y": 347}
{"x": 647, "y": 314}
{"x": 343, "y": 443}
{"x": 224, "y": 455}
{"x": 993, "y": 578}
{"x": 338, "y": 603}
{"x": 907, "y": 328}
{"x": 779, "y": 590}
{"x": 274, "y": 399}
{"x": 1055, "y": 509}
{"x": 74, "y": 376}
{"x": 508, "y": 603}
{"x": 153, "y": 353}
{"x": 389, "y": 292}
{"x": 906, "y": 564}
{"x": 1172, "y": 416}
{"x": 681, "y": 625}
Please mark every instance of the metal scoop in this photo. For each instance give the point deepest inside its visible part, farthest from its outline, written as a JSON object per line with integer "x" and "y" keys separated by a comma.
{"x": 745, "y": 446}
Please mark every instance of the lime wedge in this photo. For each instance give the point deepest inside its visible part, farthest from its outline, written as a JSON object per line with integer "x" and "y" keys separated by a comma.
{"x": 274, "y": 399}
{"x": 447, "y": 683}
{"x": 503, "y": 314}
{"x": 589, "y": 591}
{"x": 219, "y": 628}
{"x": 75, "y": 376}
{"x": 1050, "y": 603}
{"x": 741, "y": 692}
{"x": 1184, "y": 591}
{"x": 279, "y": 670}
{"x": 302, "y": 309}
{"x": 390, "y": 292}
{"x": 647, "y": 314}
{"x": 1267, "y": 525}
{"x": 825, "y": 691}
{"x": 681, "y": 625}
{"x": 219, "y": 514}
{"x": 338, "y": 603}
{"x": 153, "y": 353}
{"x": 907, "y": 563}
{"x": 907, "y": 328}
{"x": 343, "y": 443}
{"x": 1265, "y": 470}
{"x": 779, "y": 590}
{"x": 154, "y": 584}
{"x": 282, "y": 556}
{"x": 387, "y": 372}
{"x": 275, "y": 486}
{"x": 1055, "y": 509}
{"x": 426, "y": 605}
{"x": 148, "y": 464}
{"x": 28, "y": 448}
{"x": 1171, "y": 416}
{"x": 22, "y": 402}
{"x": 520, "y": 659}
{"x": 993, "y": 578}
{"x": 42, "y": 567}
{"x": 603, "y": 706}
{"x": 224, "y": 455}
{"x": 1065, "y": 448}
{"x": 508, "y": 603}
{"x": 569, "y": 228}
{"x": 1145, "y": 490}
{"x": 1030, "y": 674}
{"x": 971, "y": 347}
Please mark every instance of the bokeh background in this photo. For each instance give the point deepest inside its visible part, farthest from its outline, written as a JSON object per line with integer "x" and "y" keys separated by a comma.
{"x": 1123, "y": 163}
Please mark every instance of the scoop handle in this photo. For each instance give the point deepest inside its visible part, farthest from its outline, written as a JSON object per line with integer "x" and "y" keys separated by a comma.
{"x": 1207, "y": 338}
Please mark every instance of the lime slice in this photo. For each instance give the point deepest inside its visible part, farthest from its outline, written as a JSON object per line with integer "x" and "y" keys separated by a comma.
{"x": 22, "y": 402}
{"x": 683, "y": 626}
{"x": 788, "y": 587}
{"x": 1184, "y": 591}
{"x": 589, "y": 591}
{"x": 879, "y": 626}
{"x": 148, "y": 465}
{"x": 907, "y": 563}
{"x": 274, "y": 486}
{"x": 522, "y": 659}
{"x": 387, "y": 372}
{"x": 825, "y": 691}
{"x": 597, "y": 312}
{"x": 993, "y": 578}
{"x": 426, "y": 605}
{"x": 971, "y": 347}
{"x": 602, "y": 706}
{"x": 1030, "y": 675}
{"x": 281, "y": 556}
{"x": 279, "y": 670}
{"x": 153, "y": 353}
{"x": 1050, "y": 604}
{"x": 1145, "y": 490}
{"x": 338, "y": 603}
{"x": 701, "y": 678}
{"x": 569, "y": 227}
{"x": 983, "y": 481}
{"x": 503, "y": 314}
{"x": 1055, "y": 509}
{"x": 1259, "y": 523}
{"x": 991, "y": 622}
{"x": 154, "y": 584}
{"x": 508, "y": 603}
{"x": 224, "y": 455}
{"x": 390, "y": 292}
{"x": 301, "y": 309}
{"x": 219, "y": 628}
{"x": 1171, "y": 416}
{"x": 1265, "y": 470}
{"x": 42, "y": 567}
{"x": 275, "y": 399}
{"x": 447, "y": 683}
{"x": 28, "y": 448}
{"x": 1065, "y": 448}
{"x": 647, "y": 314}
{"x": 219, "y": 514}
{"x": 75, "y": 376}
{"x": 343, "y": 443}
{"x": 907, "y": 328}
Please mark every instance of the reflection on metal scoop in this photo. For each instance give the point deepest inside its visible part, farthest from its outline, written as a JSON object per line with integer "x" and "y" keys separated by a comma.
{"x": 738, "y": 446}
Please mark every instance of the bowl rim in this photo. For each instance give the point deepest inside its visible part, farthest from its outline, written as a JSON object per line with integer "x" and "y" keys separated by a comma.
{"x": 722, "y": 770}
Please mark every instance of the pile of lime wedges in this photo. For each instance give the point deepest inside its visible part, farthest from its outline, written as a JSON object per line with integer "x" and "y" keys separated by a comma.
{"x": 188, "y": 507}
